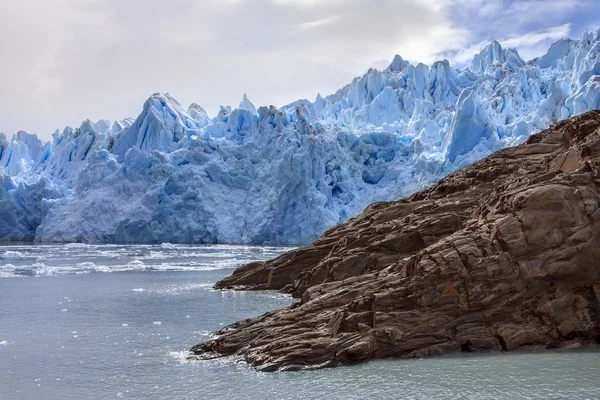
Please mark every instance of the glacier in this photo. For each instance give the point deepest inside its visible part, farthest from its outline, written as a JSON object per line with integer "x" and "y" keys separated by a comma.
{"x": 285, "y": 175}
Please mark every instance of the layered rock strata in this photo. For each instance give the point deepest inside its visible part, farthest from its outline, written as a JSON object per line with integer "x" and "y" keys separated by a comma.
{"x": 502, "y": 255}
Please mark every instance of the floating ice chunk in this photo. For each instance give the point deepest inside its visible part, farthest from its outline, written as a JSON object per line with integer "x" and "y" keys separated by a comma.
{"x": 87, "y": 264}
{"x": 75, "y": 245}
{"x": 11, "y": 254}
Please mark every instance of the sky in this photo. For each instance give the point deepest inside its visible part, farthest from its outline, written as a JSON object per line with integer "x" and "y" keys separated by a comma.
{"x": 64, "y": 61}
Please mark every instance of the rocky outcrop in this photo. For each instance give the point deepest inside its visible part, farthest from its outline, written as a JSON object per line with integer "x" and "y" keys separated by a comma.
{"x": 502, "y": 255}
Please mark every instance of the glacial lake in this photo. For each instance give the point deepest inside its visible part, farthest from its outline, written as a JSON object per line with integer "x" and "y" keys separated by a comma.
{"x": 110, "y": 322}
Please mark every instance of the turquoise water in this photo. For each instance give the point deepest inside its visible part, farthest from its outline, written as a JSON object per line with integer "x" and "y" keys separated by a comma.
{"x": 71, "y": 332}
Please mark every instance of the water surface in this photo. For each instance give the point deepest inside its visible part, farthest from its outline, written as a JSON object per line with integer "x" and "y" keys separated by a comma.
{"x": 69, "y": 331}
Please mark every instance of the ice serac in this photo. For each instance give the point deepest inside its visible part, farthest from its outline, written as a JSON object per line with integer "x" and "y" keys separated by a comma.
{"x": 162, "y": 124}
{"x": 198, "y": 114}
{"x": 469, "y": 127}
{"x": 284, "y": 175}
{"x": 557, "y": 53}
{"x": 18, "y": 155}
{"x": 499, "y": 256}
{"x": 398, "y": 64}
{"x": 23, "y": 207}
{"x": 247, "y": 104}
{"x": 494, "y": 58}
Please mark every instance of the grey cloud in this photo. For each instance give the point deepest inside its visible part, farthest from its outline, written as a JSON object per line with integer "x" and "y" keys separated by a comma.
{"x": 66, "y": 60}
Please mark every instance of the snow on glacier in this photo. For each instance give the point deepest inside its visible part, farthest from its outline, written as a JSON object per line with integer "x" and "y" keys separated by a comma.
{"x": 285, "y": 175}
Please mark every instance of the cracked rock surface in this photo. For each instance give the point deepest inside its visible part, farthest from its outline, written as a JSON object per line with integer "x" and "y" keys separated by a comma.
{"x": 502, "y": 255}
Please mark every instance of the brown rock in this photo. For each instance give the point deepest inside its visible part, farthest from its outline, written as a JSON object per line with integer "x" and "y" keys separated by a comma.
{"x": 502, "y": 255}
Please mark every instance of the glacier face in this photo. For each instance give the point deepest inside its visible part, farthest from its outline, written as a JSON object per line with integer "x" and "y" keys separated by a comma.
{"x": 285, "y": 175}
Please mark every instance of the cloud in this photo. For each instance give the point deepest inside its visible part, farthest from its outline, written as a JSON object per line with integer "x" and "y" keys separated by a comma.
{"x": 501, "y": 18}
{"x": 533, "y": 38}
{"x": 67, "y": 60}
{"x": 303, "y": 26}
{"x": 75, "y": 59}
{"x": 529, "y": 45}
{"x": 528, "y": 25}
{"x": 536, "y": 43}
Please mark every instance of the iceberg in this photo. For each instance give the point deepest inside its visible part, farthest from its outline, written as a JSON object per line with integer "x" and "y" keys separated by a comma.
{"x": 285, "y": 175}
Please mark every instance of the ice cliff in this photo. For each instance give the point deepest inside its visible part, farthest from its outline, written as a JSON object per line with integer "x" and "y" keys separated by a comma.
{"x": 285, "y": 175}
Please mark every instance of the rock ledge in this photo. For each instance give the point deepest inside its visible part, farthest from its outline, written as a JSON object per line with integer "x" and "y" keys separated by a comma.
{"x": 502, "y": 255}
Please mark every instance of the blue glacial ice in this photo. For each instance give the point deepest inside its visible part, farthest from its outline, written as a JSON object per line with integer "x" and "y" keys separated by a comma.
{"x": 285, "y": 175}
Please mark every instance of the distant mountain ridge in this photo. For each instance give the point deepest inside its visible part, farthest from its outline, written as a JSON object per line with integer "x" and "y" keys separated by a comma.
{"x": 269, "y": 175}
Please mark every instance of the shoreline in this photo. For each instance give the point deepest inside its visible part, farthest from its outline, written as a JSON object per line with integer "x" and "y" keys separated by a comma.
{"x": 497, "y": 256}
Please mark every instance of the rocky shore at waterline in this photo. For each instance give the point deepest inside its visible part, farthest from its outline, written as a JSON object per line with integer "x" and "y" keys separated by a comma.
{"x": 502, "y": 255}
